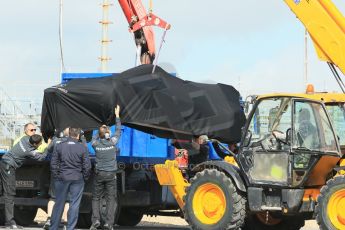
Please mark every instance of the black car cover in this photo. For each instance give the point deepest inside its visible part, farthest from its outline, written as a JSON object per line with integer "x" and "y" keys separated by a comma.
{"x": 157, "y": 103}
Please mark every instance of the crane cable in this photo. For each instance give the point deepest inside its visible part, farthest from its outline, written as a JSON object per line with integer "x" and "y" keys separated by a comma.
{"x": 62, "y": 67}
{"x": 150, "y": 7}
{"x": 159, "y": 50}
{"x": 162, "y": 40}
{"x": 336, "y": 76}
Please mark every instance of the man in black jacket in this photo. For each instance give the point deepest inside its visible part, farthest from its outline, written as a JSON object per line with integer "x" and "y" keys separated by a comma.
{"x": 105, "y": 178}
{"x": 70, "y": 166}
{"x": 58, "y": 138}
{"x": 10, "y": 162}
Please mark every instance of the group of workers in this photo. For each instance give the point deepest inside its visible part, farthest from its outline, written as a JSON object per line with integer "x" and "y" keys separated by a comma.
{"x": 70, "y": 167}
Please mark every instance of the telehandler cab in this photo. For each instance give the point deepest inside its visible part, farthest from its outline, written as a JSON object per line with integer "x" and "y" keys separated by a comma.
{"x": 288, "y": 169}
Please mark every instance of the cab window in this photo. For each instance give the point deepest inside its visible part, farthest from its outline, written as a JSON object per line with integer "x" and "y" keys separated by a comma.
{"x": 312, "y": 128}
{"x": 306, "y": 133}
{"x": 337, "y": 116}
{"x": 270, "y": 115}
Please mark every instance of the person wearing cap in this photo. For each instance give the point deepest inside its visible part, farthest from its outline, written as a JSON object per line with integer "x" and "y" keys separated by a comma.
{"x": 105, "y": 173}
{"x": 10, "y": 162}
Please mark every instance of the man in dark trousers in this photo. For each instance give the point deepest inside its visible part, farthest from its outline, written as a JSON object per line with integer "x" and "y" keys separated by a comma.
{"x": 58, "y": 138}
{"x": 10, "y": 162}
{"x": 105, "y": 179}
{"x": 70, "y": 166}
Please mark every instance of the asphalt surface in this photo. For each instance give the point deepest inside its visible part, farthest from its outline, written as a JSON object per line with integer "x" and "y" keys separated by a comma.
{"x": 153, "y": 223}
{"x": 145, "y": 225}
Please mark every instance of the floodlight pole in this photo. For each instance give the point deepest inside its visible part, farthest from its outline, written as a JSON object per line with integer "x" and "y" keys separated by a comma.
{"x": 104, "y": 58}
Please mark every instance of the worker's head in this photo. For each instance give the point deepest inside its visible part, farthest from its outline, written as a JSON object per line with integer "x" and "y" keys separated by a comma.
{"x": 104, "y": 132}
{"x": 65, "y": 132}
{"x": 35, "y": 140}
{"x": 62, "y": 133}
{"x": 74, "y": 133}
{"x": 303, "y": 115}
{"x": 30, "y": 129}
{"x": 202, "y": 139}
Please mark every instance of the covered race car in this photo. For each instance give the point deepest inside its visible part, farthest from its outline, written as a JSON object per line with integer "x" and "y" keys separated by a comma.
{"x": 156, "y": 103}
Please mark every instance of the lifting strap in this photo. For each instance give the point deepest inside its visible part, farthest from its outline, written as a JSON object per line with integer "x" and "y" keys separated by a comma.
{"x": 159, "y": 50}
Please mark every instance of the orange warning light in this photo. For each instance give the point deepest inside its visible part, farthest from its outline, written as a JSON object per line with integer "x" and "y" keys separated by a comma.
{"x": 310, "y": 89}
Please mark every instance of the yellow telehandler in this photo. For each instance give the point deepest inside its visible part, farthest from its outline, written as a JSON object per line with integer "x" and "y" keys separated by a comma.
{"x": 289, "y": 167}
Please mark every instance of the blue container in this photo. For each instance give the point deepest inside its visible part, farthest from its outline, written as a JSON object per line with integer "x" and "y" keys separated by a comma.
{"x": 65, "y": 77}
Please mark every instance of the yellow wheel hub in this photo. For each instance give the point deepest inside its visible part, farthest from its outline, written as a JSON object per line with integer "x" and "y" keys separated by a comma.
{"x": 336, "y": 209}
{"x": 209, "y": 203}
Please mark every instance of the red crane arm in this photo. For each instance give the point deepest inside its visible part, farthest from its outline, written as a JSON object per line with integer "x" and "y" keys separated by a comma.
{"x": 140, "y": 23}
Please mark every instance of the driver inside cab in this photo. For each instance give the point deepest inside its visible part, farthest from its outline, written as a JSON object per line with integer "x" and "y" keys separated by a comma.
{"x": 306, "y": 130}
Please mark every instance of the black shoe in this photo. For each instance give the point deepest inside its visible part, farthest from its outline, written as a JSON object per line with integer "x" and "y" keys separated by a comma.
{"x": 107, "y": 227}
{"x": 47, "y": 224}
{"x": 95, "y": 225}
{"x": 63, "y": 226}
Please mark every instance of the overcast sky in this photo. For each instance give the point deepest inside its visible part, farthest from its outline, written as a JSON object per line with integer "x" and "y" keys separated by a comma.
{"x": 256, "y": 46}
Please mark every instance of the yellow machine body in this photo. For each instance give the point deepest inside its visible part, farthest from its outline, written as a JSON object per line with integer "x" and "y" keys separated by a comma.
{"x": 169, "y": 174}
{"x": 326, "y": 26}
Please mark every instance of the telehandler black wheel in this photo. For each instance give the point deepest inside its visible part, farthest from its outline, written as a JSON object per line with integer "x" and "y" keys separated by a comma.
{"x": 212, "y": 202}
{"x": 330, "y": 209}
{"x": 266, "y": 221}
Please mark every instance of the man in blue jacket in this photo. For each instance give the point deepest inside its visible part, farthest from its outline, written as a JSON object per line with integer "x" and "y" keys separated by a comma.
{"x": 58, "y": 138}
{"x": 105, "y": 175}
{"x": 70, "y": 166}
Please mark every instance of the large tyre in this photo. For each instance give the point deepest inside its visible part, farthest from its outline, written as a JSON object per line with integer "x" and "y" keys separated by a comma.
{"x": 266, "y": 221}
{"x": 24, "y": 217}
{"x": 212, "y": 202}
{"x": 330, "y": 209}
{"x": 129, "y": 217}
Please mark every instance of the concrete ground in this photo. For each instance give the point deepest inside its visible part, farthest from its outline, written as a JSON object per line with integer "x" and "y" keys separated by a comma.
{"x": 157, "y": 223}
